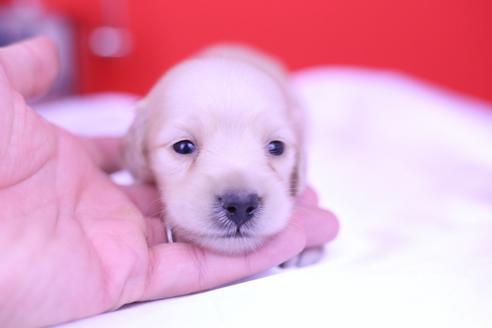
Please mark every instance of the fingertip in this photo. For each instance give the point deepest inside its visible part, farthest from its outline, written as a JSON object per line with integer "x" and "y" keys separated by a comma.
{"x": 309, "y": 196}
{"x": 332, "y": 226}
{"x": 288, "y": 243}
{"x": 321, "y": 225}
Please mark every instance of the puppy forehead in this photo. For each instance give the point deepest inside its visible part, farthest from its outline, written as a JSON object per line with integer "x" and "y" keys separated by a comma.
{"x": 220, "y": 87}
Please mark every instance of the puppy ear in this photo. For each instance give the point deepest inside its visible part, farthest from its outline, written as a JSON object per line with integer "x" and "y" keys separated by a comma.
{"x": 298, "y": 176}
{"x": 135, "y": 152}
{"x": 299, "y": 173}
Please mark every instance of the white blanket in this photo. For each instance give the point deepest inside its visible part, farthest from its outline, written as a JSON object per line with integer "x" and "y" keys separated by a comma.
{"x": 408, "y": 169}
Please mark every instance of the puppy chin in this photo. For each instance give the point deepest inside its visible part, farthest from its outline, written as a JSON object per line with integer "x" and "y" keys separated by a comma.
{"x": 234, "y": 245}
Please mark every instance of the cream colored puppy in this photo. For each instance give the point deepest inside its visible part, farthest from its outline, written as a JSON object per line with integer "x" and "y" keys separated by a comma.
{"x": 222, "y": 137}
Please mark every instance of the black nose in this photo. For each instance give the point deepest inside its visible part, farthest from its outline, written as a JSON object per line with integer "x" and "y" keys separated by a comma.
{"x": 239, "y": 207}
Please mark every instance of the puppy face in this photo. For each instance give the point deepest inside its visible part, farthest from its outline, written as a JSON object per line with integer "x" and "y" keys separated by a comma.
{"x": 218, "y": 137}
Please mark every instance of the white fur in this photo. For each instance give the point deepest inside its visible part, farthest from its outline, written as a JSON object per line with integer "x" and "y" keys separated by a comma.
{"x": 231, "y": 102}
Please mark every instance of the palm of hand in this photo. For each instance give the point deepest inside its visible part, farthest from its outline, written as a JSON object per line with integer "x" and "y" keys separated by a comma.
{"x": 66, "y": 210}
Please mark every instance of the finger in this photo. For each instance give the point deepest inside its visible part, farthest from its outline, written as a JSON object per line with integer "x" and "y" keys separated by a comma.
{"x": 31, "y": 66}
{"x": 145, "y": 197}
{"x": 156, "y": 231}
{"x": 105, "y": 152}
{"x": 309, "y": 197}
{"x": 178, "y": 269}
{"x": 320, "y": 225}
{"x": 147, "y": 200}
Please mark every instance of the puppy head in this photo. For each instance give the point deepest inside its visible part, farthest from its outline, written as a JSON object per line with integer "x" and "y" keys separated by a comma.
{"x": 219, "y": 138}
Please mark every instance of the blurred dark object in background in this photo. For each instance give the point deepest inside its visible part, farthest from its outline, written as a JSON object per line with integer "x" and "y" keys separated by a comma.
{"x": 126, "y": 45}
{"x": 22, "y": 19}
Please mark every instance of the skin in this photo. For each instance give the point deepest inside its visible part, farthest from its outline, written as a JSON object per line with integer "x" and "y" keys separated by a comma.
{"x": 73, "y": 244}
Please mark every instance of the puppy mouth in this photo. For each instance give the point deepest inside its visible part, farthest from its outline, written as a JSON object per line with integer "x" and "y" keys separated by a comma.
{"x": 238, "y": 234}
{"x": 222, "y": 238}
{"x": 225, "y": 229}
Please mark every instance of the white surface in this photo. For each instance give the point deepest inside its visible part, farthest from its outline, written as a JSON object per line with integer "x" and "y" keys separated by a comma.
{"x": 408, "y": 169}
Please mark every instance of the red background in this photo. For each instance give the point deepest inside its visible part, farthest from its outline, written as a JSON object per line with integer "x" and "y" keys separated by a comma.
{"x": 448, "y": 42}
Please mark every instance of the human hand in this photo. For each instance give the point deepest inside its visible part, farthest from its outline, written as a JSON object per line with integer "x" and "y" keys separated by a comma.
{"x": 72, "y": 243}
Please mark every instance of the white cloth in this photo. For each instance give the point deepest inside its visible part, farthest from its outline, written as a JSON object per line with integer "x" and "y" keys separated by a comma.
{"x": 408, "y": 169}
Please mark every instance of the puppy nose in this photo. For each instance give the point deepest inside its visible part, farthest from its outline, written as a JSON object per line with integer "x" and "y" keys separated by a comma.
{"x": 238, "y": 207}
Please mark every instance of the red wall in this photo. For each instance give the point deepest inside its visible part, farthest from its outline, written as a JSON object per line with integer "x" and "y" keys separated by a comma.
{"x": 446, "y": 42}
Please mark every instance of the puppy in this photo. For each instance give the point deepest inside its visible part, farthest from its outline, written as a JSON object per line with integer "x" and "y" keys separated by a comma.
{"x": 222, "y": 137}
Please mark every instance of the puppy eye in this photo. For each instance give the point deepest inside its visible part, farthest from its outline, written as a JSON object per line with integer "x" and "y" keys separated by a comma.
{"x": 184, "y": 147}
{"x": 276, "y": 148}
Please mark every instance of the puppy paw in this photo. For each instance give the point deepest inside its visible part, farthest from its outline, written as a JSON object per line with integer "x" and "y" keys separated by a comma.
{"x": 306, "y": 257}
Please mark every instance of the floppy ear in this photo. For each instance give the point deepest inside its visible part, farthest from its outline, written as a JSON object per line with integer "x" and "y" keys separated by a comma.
{"x": 135, "y": 152}
{"x": 298, "y": 176}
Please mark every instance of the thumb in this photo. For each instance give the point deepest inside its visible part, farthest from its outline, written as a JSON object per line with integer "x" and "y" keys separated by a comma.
{"x": 30, "y": 66}
{"x": 26, "y": 141}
